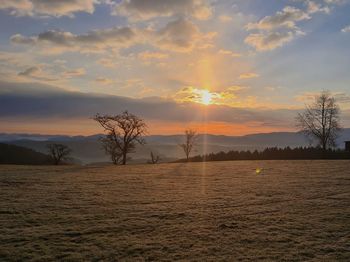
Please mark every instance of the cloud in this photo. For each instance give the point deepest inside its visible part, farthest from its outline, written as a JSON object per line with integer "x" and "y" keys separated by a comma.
{"x": 39, "y": 101}
{"x": 281, "y": 28}
{"x": 248, "y": 76}
{"x": 147, "y": 55}
{"x": 93, "y": 41}
{"x": 277, "y": 30}
{"x": 145, "y": 10}
{"x": 107, "y": 62}
{"x": 53, "y": 72}
{"x": 179, "y": 35}
{"x": 314, "y": 7}
{"x": 30, "y": 71}
{"x": 272, "y": 88}
{"x": 346, "y": 29}
{"x": 340, "y": 97}
{"x": 225, "y": 18}
{"x": 47, "y": 8}
{"x": 285, "y": 18}
{"x": 182, "y": 35}
{"x": 23, "y": 40}
{"x": 37, "y": 72}
{"x": 228, "y": 53}
{"x": 6, "y": 57}
{"x": 104, "y": 81}
{"x": 74, "y": 73}
{"x": 231, "y": 97}
{"x": 270, "y": 41}
{"x": 325, "y": 6}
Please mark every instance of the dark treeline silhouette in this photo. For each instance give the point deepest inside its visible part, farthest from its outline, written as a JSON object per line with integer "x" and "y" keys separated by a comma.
{"x": 17, "y": 155}
{"x": 299, "y": 153}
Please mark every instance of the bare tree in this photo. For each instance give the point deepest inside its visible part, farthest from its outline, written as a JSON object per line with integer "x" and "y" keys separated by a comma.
{"x": 154, "y": 158}
{"x": 111, "y": 149}
{"x": 190, "y": 142}
{"x": 58, "y": 152}
{"x": 124, "y": 132}
{"x": 320, "y": 120}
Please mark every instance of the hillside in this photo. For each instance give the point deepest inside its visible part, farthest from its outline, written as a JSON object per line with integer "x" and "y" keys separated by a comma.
{"x": 88, "y": 149}
{"x": 17, "y": 155}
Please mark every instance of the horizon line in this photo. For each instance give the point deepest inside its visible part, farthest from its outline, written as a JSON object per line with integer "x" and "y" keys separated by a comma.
{"x": 178, "y": 134}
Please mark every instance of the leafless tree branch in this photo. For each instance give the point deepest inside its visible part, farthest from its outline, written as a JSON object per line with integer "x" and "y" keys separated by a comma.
{"x": 58, "y": 152}
{"x": 321, "y": 120}
{"x": 124, "y": 131}
{"x": 190, "y": 142}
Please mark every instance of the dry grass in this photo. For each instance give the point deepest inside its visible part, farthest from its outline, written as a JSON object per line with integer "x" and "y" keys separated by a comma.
{"x": 295, "y": 210}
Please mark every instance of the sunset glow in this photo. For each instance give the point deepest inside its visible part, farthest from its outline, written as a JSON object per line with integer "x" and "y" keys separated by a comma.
{"x": 174, "y": 130}
{"x": 239, "y": 63}
{"x": 206, "y": 97}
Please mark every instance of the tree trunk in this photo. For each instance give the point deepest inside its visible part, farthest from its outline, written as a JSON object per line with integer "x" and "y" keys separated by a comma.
{"x": 324, "y": 146}
{"x": 124, "y": 158}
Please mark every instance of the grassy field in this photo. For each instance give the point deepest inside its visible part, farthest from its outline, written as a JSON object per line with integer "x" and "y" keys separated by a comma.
{"x": 292, "y": 211}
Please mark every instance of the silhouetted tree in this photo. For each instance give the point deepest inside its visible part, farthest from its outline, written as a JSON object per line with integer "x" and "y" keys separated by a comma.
{"x": 154, "y": 158}
{"x": 58, "y": 152}
{"x": 111, "y": 148}
{"x": 320, "y": 120}
{"x": 190, "y": 141}
{"x": 124, "y": 131}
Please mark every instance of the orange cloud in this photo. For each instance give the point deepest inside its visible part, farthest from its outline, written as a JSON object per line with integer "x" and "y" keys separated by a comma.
{"x": 217, "y": 128}
{"x": 248, "y": 76}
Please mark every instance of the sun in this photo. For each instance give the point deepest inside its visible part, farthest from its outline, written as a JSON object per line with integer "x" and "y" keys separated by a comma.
{"x": 206, "y": 97}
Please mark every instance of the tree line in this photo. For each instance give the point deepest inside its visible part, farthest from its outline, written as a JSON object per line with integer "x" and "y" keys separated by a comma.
{"x": 287, "y": 153}
{"x": 320, "y": 122}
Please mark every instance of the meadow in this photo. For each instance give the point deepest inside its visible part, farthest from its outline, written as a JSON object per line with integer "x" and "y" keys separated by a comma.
{"x": 217, "y": 211}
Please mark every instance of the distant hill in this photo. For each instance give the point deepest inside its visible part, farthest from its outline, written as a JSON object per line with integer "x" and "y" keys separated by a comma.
{"x": 88, "y": 149}
{"x": 17, "y": 155}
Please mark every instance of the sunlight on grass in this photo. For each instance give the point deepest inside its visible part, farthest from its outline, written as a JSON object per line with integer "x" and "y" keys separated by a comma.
{"x": 258, "y": 171}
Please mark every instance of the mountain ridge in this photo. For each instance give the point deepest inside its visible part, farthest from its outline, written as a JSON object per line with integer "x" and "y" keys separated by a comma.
{"x": 42, "y": 137}
{"x": 88, "y": 148}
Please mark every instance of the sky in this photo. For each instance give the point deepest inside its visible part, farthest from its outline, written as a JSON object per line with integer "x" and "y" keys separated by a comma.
{"x": 230, "y": 67}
